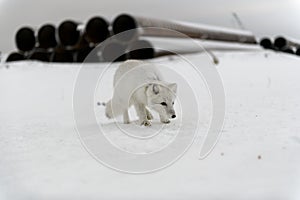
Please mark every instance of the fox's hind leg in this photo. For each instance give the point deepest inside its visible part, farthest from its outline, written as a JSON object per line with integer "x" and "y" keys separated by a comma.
{"x": 126, "y": 119}
{"x": 108, "y": 110}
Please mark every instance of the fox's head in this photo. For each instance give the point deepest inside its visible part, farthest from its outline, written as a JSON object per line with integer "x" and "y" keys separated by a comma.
{"x": 161, "y": 98}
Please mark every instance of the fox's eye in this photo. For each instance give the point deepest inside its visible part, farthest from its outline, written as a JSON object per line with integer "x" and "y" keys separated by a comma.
{"x": 172, "y": 103}
{"x": 163, "y": 103}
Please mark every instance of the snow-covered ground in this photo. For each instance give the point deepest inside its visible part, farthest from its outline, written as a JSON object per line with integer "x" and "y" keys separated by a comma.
{"x": 257, "y": 156}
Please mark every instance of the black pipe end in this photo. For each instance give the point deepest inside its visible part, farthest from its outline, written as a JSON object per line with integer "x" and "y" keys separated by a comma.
{"x": 46, "y": 36}
{"x": 113, "y": 52}
{"x": 298, "y": 52}
{"x": 266, "y": 43}
{"x": 288, "y": 50}
{"x": 40, "y": 56}
{"x": 123, "y": 23}
{"x": 25, "y": 39}
{"x": 82, "y": 54}
{"x": 82, "y": 43}
{"x": 87, "y": 55}
{"x": 280, "y": 43}
{"x": 141, "y": 49}
{"x": 62, "y": 56}
{"x": 97, "y": 30}
{"x": 15, "y": 56}
{"x": 68, "y": 33}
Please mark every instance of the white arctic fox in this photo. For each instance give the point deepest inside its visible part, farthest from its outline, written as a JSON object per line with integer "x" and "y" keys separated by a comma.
{"x": 140, "y": 84}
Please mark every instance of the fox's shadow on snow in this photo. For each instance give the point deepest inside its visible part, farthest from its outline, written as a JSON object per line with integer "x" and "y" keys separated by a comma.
{"x": 135, "y": 129}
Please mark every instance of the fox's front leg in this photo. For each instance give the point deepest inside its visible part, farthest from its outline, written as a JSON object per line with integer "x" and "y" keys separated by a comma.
{"x": 149, "y": 115}
{"x": 142, "y": 114}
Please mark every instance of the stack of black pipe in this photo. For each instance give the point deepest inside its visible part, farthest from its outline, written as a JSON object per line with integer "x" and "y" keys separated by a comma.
{"x": 65, "y": 43}
{"x": 134, "y": 27}
{"x": 73, "y": 42}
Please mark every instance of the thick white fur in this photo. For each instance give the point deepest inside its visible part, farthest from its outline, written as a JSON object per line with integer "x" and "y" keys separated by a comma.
{"x": 140, "y": 84}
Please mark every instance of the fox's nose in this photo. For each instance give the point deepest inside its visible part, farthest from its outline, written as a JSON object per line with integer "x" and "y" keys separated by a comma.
{"x": 173, "y": 116}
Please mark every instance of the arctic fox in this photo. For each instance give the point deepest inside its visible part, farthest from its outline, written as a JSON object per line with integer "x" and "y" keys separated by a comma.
{"x": 140, "y": 84}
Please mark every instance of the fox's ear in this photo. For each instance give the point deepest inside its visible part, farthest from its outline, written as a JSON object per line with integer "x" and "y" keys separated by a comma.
{"x": 173, "y": 87}
{"x": 155, "y": 88}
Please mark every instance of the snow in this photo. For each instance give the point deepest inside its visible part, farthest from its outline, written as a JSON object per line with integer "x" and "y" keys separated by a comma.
{"x": 257, "y": 156}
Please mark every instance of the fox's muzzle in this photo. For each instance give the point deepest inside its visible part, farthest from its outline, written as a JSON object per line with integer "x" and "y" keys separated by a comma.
{"x": 172, "y": 113}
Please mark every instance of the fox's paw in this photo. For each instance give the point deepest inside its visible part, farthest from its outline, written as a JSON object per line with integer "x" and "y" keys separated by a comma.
{"x": 146, "y": 123}
{"x": 166, "y": 121}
